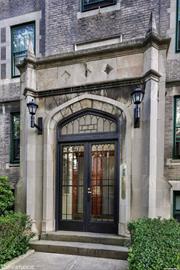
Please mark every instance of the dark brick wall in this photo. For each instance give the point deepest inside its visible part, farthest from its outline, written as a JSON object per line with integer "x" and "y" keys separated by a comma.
{"x": 3, "y": 71}
{"x": 10, "y": 91}
{"x": 11, "y": 8}
{"x": 63, "y": 29}
{"x": 173, "y": 70}
{"x": 169, "y": 113}
{"x": 3, "y": 35}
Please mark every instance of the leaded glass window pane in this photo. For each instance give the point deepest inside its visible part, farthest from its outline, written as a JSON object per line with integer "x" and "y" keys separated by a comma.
{"x": 92, "y": 4}
{"x": 176, "y": 206}
{"x": 72, "y": 182}
{"x": 22, "y": 36}
{"x": 177, "y": 128}
{"x": 102, "y": 182}
{"x": 88, "y": 123}
{"x": 178, "y": 27}
{"x": 15, "y": 137}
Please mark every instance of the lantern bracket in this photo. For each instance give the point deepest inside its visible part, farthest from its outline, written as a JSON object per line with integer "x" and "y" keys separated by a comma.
{"x": 32, "y": 107}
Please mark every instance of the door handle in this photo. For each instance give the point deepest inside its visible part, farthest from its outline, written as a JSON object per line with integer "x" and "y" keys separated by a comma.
{"x": 89, "y": 191}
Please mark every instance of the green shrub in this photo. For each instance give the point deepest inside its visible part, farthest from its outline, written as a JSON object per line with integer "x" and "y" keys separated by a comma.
{"x": 15, "y": 233}
{"x": 6, "y": 196}
{"x": 155, "y": 244}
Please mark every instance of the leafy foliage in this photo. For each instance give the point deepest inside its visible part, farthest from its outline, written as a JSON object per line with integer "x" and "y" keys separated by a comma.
{"x": 155, "y": 244}
{"x": 6, "y": 196}
{"x": 15, "y": 233}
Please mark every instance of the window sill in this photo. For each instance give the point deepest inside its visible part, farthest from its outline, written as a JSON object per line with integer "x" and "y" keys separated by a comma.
{"x": 97, "y": 11}
{"x": 172, "y": 162}
{"x": 12, "y": 165}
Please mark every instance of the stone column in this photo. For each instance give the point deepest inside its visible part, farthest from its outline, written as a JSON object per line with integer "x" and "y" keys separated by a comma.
{"x": 48, "y": 223}
{"x": 152, "y": 88}
{"x": 151, "y": 67}
{"x": 31, "y": 152}
{"x": 20, "y": 197}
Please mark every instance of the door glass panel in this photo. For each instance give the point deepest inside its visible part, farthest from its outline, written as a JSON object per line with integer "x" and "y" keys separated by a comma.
{"x": 102, "y": 182}
{"x": 72, "y": 182}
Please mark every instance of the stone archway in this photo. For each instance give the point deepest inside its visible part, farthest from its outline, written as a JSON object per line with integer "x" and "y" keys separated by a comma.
{"x": 77, "y": 104}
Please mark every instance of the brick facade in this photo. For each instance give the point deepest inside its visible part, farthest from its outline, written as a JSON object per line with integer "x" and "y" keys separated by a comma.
{"x": 64, "y": 29}
{"x": 10, "y": 88}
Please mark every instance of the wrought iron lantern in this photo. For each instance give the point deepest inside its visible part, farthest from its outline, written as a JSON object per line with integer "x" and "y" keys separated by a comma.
{"x": 137, "y": 97}
{"x": 32, "y": 107}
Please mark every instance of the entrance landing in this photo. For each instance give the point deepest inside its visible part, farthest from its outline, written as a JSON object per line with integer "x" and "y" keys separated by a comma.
{"x": 87, "y": 237}
{"x": 83, "y": 244}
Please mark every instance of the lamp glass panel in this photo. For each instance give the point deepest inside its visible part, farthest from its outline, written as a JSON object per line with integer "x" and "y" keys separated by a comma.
{"x": 133, "y": 98}
{"x": 138, "y": 97}
{"x": 32, "y": 107}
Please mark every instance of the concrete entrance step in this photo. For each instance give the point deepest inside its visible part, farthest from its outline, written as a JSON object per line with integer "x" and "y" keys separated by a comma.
{"x": 79, "y": 248}
{"x": 86, "y": 237}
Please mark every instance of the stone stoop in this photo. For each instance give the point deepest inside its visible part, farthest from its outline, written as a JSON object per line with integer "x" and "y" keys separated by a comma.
{"x": 84, "y": 244}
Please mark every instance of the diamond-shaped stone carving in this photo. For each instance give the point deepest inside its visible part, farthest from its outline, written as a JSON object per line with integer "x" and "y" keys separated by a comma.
{"x": 66, "y": 75}
{"x": 108, "y": 69}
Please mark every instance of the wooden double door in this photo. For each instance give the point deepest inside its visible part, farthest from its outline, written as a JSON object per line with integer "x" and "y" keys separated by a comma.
{"x": 87, "y": 187}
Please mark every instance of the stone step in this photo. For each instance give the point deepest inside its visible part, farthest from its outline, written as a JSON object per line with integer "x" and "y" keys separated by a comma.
{"x": 79, "y": 248}
{"x": 86, "y": 237}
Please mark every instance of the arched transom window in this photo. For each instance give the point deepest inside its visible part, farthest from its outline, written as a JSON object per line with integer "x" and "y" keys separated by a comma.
{"x": 89, "y": 122}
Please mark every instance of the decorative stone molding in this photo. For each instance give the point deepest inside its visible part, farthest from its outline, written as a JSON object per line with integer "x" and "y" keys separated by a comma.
{"x": 151, "y": 74}
{"x": 55, "y": 116}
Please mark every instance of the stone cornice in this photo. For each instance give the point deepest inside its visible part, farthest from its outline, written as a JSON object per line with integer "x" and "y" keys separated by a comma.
{"x": 133, "y": 46}
{"x": 151, "y": 74}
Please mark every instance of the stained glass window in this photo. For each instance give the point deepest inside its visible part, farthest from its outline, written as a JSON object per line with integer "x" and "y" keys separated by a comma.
{"x": 92, "y": 4}
{"x": 15, "y": 137}
{"x": 178, "y": 27}
{"x": 22, "y": 36}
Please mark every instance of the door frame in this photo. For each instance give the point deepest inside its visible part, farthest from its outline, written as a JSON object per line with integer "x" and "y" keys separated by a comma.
{"x": 86, "y": 139}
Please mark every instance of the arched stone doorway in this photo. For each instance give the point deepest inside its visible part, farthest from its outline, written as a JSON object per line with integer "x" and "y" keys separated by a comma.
{"x": 87, "y": 197}
{"x": 110, "y": 109}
